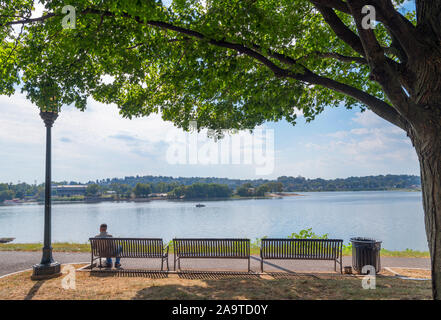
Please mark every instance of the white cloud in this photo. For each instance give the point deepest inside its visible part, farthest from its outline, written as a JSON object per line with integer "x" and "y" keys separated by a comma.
{"x": 376, "y": 141}
{"x": 372, "y": 147}
{"x": 38, "y": 10}
{"x": 84, "y": 143}
{"x": 368, "y": 119}
{"x": 97, "y": 143}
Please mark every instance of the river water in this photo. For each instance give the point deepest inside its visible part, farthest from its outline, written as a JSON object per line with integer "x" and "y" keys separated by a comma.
{"x": 396, "y": 218}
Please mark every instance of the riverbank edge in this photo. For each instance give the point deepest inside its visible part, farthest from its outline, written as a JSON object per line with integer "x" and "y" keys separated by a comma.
{"x": 136, "y": 200}
{"x": 273, "y": 195}
{"x": 85, "y": 247}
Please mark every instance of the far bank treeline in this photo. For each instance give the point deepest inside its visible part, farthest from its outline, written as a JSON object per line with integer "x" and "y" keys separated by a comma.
{"x": 194, "y": 187}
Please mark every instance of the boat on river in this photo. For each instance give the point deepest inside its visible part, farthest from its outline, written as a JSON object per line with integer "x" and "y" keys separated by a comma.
{"x": 6, "y": 240}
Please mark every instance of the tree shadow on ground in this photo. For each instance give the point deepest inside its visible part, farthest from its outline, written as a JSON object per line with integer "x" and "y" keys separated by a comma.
{"x": 222, "y": 285}
{"x": 130, "y": 274}
{"x": 206, "y": 275}
{"x": 280, "y": 287}
{"x": 206, "y": 289}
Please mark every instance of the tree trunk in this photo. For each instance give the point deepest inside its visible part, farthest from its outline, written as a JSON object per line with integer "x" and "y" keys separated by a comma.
{"x": 428, "y": 147}
{"x": 425, "y": 119}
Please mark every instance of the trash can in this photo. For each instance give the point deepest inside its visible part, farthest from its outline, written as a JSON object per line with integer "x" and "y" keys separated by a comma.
{"x": 365, "y": 251}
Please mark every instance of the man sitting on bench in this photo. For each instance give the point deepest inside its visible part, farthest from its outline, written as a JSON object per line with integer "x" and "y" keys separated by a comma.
{"x": 104, "y": 234}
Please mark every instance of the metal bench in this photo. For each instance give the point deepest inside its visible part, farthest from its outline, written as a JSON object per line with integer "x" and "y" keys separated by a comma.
{"x": 302, "y": 249}
{"x": 211, "y": 248}
{"x": 143, "y": 248}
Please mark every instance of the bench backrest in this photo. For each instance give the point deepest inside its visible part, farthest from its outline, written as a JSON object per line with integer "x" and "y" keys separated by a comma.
{"x": 314, "y": 249}
{"x": 212, "y": 248}
{"x": 127, "y": 247}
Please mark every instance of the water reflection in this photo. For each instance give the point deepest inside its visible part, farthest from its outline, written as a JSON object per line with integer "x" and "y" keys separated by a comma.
{"x": 394, "y": 217}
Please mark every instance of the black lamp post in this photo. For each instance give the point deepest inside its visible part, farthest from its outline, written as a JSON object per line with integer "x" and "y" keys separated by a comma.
{"x": 48, "y": 267}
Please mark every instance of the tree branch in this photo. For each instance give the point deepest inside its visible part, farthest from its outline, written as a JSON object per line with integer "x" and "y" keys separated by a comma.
{"x": 30, "y": 20}
{"x": 337, "y": 56}
{"x": 378, "y": 106}
{"x": 333, "y": 4}
{"x": 401, "y": 28}
{"x": 340, "y": 29}
{"x": 381, "y": 70}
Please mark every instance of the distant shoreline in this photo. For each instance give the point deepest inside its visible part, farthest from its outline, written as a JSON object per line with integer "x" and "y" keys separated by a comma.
{"x": 141, "y": 200}
{"x": 274, "y": 195}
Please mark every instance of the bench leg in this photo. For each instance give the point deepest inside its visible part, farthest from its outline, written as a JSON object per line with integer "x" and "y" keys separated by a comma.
{"x": 341, "y": 265}
{"x": 249, "y": 265}
{"x": 174, "y": 262}
{"x": 168, "y": 269}
{"x": 261, "y": 264}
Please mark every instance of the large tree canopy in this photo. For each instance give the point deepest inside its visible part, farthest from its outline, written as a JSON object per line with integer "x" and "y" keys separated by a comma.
{"x": 238, "y": 63}
{"x": 224, "y": 63}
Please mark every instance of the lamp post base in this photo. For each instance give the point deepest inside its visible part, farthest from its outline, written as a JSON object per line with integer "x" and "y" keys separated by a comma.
{"x": 46, "y": 271}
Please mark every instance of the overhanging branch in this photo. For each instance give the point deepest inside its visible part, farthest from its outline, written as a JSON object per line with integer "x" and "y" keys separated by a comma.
{"x": 378, "y": 106}
{"x": 401, "y": 28}
{"x": 337, "y": 56}
{"x": 340, "y": 29}
{"x": 334, "y": 4}
{"x": 381, "y": 70}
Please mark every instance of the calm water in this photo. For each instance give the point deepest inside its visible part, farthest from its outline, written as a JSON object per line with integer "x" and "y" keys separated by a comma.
{"x": 396, "y": 218}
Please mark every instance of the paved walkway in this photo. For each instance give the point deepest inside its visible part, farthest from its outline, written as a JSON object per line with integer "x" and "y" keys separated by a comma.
{"x": 12, "y": 261}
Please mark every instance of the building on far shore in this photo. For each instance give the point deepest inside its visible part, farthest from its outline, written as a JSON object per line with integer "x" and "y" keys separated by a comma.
{"x": 158, "y": 195}
{"x": 69, "y": 190}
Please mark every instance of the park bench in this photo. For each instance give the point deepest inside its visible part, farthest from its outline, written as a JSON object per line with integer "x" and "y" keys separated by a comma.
{"x": 211, "y": 248}
{"x": 142, "y": 248}
{"x": 302, "y": 249}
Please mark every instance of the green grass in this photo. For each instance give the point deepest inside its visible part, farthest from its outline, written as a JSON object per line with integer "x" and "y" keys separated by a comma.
{"x": 408, "y": 253}
{"x": 73, "y": 198}
{"x": 85, "y": 247}
{"x": 57, "y": 247}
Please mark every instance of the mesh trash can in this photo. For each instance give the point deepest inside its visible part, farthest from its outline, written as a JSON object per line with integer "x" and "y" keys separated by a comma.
{"x": 365, "y": 251}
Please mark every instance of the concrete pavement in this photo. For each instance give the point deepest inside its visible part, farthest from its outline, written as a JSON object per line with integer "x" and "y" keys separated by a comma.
{"x": 12, "y": 261}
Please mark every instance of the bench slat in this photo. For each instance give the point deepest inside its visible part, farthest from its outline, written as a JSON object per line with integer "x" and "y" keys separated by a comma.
{"x": 212, "y": 248}
{"x": 127, "y": 247}
{"x": 319, "y": 249}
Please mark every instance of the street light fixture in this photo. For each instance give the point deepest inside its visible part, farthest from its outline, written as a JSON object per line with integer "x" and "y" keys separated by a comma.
{"x": 48, "y": 267}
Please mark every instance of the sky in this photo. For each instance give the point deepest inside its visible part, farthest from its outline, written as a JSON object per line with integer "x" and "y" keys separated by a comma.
{"x": 99, "y": 143}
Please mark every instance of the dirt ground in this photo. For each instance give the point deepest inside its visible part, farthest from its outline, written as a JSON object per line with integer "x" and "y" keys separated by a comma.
{"x": 152, "y": 286}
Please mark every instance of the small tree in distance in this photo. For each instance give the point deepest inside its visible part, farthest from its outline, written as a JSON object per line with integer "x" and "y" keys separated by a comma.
{"x": 92, "y": 190}
{"x": 142, "y": 190}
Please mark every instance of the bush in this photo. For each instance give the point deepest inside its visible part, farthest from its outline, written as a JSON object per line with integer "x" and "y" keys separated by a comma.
{"x": 307, "y": 234}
